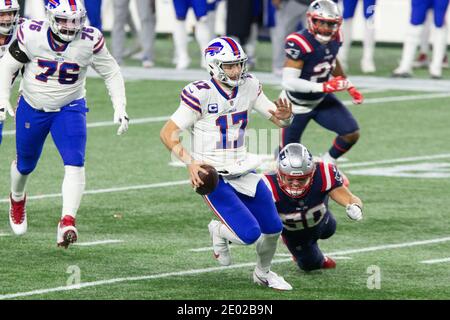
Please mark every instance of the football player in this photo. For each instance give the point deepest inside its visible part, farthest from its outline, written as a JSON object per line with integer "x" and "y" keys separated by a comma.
{"x": 217, "y": 112}
{"x": 180, "y": 38}
{"x": 413, "y": 36}
{"x": 301, "y": 189}
{"x": 56, "y": 54}
{"x": 367, "y": 61}
{"x": 9, "y": 19}
{"x": 311, "y": 61}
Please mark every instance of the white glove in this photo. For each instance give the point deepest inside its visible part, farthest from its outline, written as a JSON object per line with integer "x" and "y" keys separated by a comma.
{"x": 121, "y": 117}
{"x": 354, "y": 211}
{"x": 5, "y": 106}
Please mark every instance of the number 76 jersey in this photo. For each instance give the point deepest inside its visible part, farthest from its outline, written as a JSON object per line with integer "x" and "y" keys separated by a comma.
{"x": 55, "y": 74}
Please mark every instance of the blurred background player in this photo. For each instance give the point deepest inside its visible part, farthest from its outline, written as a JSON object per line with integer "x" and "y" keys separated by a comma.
{"x": 180, "y": 36}
{"x": 147, "y": 16}
{"x": 216, "y": 112}
{"x": 94, "y": 13}
{"x": 310, "y": 62}
{"x": 423, "y": 59}
{"x": 301, "y": 189}
{"x": 412, "y": 39}
{"x": 288, "y": 16}
{"x": 367, "y": 61}
{"x": 9, "y": 19}
{"x": 53, "y": 101}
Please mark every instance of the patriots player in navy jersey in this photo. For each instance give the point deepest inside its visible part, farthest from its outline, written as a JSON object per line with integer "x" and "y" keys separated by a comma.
{"x": 310, "y": 63}
{"x": 301, "y": 188}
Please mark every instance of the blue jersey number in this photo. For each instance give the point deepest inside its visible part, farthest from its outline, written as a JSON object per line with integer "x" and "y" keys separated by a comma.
{"x": 222, "y": 123}
{"x": 65, "y": 71}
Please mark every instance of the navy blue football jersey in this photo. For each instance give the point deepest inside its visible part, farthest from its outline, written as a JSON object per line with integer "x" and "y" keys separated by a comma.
{"x": 319, "y": 59}
{"x": 311, "y": 207}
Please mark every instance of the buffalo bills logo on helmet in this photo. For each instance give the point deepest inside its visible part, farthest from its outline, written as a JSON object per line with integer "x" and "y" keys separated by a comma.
{"x": 53, "y": 3}
{"x": 214, "y": 49}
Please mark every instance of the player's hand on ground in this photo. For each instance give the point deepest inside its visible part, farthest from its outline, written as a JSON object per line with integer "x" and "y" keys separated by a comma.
{"x": 194, "y": 168}
{"x": 336, "y": 84}
{"x": 121, "y": 117}
{"x": 284, "y": 109}
{"x": 357, "y": 96}
{"x": 5, "y": 107}
{"x": 354, "y": 212}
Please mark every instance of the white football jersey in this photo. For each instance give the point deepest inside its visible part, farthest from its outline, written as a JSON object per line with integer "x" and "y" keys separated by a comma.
{"x": 56, "y": 75}
{"x": 218, "y": 120}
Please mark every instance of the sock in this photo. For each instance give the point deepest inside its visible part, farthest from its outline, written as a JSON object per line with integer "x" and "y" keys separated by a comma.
{"x": 369, "y": 42}
{"x": 347, "y": 28}
{"x": 226, "y": 233}
{"x": 425, "y": 37}
{"x": 439, "y": 50}
{"x": 203, "y": 36}
{"x": 18, "y": 183}
{"x": 339, "y": 147}
{"x": 410, "y": 44}
{"x": 72, "y": 190}
{"x": 265, "y": 250}
{"x": 212, "y": 23}
{"x": 250, "y": 47}
{"x": 180, "y": 40}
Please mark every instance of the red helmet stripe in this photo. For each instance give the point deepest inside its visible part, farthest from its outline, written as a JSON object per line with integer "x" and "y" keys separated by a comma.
{"x": 233, "y": 46}
{"x": 73, "y": 5}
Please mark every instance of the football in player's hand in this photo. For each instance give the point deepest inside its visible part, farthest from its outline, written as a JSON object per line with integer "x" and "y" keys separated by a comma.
{"x": 210, "y": 180}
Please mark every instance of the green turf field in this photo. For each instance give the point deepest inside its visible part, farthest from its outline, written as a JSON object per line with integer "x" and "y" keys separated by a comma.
{"x": 159, "y": 219}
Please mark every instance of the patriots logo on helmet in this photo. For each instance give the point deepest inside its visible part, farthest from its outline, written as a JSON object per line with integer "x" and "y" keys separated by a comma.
{"x": 214, "y": 49}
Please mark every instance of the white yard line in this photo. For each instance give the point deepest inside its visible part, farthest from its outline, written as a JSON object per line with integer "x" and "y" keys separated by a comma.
{"x": 347, "y": 102}
{"x": 210, "y": 248}
{"x": 387, "y": 161}
{"x": 110, "y": 190}
{"x": 94, "y": 243}
{"x": 205, "y": 270}
{"x": 4, "y": 234}
{"x": 334, "y": 257}
{"x": 435, "y": 261}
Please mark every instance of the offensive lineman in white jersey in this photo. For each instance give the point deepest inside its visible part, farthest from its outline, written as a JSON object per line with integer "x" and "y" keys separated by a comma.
{"x": 216, "y": 112}
{"x": 56, "y": 54}
{"x": 9, "y": 19}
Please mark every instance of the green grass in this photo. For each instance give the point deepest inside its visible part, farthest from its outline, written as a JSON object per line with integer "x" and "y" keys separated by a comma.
{"x": 160, "y": 225}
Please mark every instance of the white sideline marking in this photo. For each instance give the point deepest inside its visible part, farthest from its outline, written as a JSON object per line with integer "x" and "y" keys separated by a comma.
{"x": 435, "y": 261}
{"x": 138, "y": 187}
{"x": 205, "y": 270}
{"x": 211, "y": 248}
{"x": 407, "y": 159}
{"x": 181, "y": 182}
{"x": 108, "y": 123}
{"x": 94, "y": 243}
{"x": 347, "y": 102}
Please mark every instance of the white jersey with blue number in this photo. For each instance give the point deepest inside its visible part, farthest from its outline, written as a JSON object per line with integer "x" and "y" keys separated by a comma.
{"x": 217, "y": 121}
{"x": 56, "y": 75}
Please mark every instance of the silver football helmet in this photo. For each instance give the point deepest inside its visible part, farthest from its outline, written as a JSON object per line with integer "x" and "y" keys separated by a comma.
{"x": 295, "y": 169}
{"x": 324, "y": 20}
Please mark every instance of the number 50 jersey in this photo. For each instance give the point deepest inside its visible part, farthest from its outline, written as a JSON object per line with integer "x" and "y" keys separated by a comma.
{"x": 56, "y": 74}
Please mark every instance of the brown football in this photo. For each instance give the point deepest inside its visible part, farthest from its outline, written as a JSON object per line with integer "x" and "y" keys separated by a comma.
{"x": 210, "y": 180}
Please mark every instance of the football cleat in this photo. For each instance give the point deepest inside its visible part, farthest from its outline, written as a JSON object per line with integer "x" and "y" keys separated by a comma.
{"x": 67, "y": 232}
{"x": 270, "y": 280}
{"x": 421, "y": 61}
{"x": 368, "y": 66}
{"x": 328, "y": 263}
{"x": 18, "y": 215}
{"x": 445, "y": 62}
{"x": 221, "y": 250}
{"x": 401, "y": 74}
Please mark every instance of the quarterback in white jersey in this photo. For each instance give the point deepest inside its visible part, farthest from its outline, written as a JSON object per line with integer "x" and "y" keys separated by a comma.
{"x": 9, "y": 19}
{"x": 56, "y": 54}
{"x": 217, "y": 112}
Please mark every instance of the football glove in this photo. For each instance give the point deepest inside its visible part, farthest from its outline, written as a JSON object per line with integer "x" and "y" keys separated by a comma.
{"x": 121, "y": 117}
{"x": 336, "y": 84}
{"x": 354, "y": 211}
{"x": 5, "y": 106}
{"x": 357, "y": 96}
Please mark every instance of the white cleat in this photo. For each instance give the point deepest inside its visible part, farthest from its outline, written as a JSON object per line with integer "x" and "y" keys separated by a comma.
{"x": 270, "y": 280}
{"x": 183, "y": 63}
{"x": 220, "y": 244}
{"x": 67, "y": 232}
{"x": 368, "y": 66}
{"x": 18, "y": 215}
